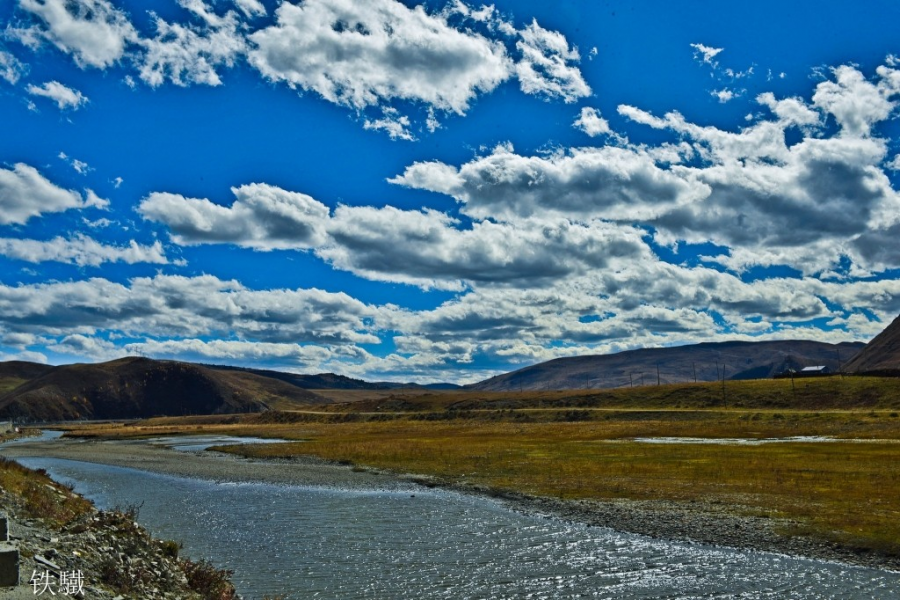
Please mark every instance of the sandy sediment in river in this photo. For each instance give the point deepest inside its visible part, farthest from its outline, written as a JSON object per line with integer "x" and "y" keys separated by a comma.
{"x": 693, "y": 522}
{"x": 201, "y": 465}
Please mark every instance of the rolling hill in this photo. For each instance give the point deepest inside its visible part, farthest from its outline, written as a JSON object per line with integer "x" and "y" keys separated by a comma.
{"x": 140, "y": 387}
{"x": 881, "y": 356}
{"x": 700, "y": 362}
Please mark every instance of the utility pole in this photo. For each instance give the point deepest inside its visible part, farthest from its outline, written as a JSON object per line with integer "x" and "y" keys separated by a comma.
{"x": 657, "y": 373}
{"x": 840, "y": 371}
{"x": 724, "y": 398}
{"x": 631, "y": 378}
{"x": 695, "y": 371}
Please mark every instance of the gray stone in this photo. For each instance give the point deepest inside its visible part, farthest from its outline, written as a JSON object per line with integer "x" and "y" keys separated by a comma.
{"x": 47, "y": 563}
{"x": 9, "y": 565}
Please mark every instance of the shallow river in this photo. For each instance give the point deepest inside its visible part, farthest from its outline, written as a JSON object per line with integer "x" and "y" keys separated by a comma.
{"x": 317, "y": 542}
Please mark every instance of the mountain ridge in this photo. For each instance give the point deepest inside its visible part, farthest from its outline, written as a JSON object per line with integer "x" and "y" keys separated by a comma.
{"x": 706, "y": 361}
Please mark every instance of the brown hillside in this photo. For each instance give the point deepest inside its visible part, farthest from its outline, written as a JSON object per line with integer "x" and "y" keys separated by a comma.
{"x": 881, "y": 356}
{"x": 140, "y": 387}
{"x": 681, "y": 364}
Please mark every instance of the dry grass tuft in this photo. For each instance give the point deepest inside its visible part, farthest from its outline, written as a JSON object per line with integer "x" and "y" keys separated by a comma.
{"x": 42, "y": 497}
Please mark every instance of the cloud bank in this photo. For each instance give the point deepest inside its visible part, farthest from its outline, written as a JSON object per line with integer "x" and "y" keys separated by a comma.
{"x": 566, "y": 245}
{"x": 382, "y": 59}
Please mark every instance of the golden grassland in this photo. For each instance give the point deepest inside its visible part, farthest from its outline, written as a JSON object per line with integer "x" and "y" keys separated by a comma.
{"x": 582, "y": 445}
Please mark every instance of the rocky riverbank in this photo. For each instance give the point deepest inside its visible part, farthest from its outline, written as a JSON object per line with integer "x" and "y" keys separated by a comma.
{"x": 68, "y": 548}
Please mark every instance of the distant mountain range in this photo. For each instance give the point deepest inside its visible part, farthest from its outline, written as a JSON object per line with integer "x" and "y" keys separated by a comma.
{"x": 140, "y": 387}
{"x": 696, "y": 362}
{"x": 331, "y": 381}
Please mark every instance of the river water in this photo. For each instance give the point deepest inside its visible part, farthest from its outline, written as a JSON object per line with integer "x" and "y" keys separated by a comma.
{"x": 321, "y": 542}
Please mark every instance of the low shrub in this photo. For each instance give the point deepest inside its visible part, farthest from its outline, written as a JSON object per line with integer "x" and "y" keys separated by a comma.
{"x": 208, "y": 581}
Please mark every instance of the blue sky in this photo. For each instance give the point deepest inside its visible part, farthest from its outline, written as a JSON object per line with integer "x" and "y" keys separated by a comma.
{"x": 442, "y": 191}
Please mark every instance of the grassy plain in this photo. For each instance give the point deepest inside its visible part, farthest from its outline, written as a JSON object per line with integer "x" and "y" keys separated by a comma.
{"x": 582, "y": 444}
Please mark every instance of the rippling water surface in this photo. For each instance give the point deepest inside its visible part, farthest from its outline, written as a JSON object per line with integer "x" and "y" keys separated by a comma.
{"x": 343, "y": 544}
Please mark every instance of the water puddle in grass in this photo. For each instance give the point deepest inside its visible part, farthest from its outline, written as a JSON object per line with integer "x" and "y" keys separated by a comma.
{"x": 198, "y": 443}
{"x": 799, "y": 439}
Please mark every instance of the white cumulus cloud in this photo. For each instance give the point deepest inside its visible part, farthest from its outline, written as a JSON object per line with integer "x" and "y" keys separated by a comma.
{"x": 188, "y": 53}
{"x": 395, "y": 124}
{"x": 251, "y": 8}
{"x": 11, "y": 68}
{"x": 94, "y": 32}
{"x": 81, "y": 250}
{"x": 88, "y": 347}
{"x": 367, "y": 54}
{"x": 174, "y": 306}
{"x": 425, "y": 248}
{"x": 724, "y": 95}
{"x": 606, "y": 182}
{"x": 590, "y": 122}
{"x": 547, "y": 66}
{"x": 65, "y": 97}
{"x": 806, "y": 205}
{"x": 706, "y": 54}
{"x": 263, "y": 217}
{"x": 855, "y": 102}
{"x": 25, "y": 193}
